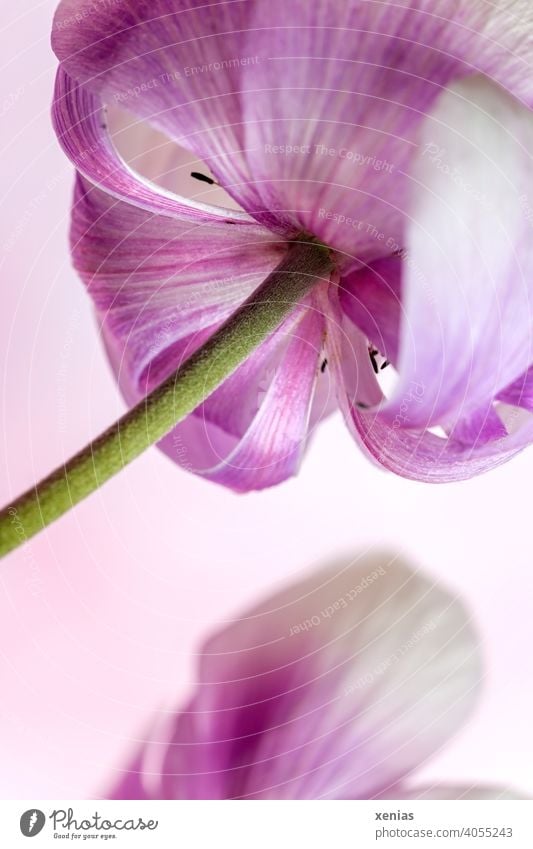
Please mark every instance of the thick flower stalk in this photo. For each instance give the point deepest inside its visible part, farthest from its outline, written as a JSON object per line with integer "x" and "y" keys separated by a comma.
{"x": 338, "y": 687}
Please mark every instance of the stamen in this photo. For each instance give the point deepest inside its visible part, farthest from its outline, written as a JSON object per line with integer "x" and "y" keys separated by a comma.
{"x": 372, "y": 353}
{"x": 323, "y": 366}
{"x": 203, "y": 178}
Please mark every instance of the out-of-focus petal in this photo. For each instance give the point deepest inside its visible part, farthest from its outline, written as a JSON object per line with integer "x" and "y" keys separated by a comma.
{"x": 336, "y": 687}
{"x": 130, "y": 782}
{"x": 467, "y": 322}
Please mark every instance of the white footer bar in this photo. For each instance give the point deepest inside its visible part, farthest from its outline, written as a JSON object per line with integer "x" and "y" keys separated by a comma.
{"x": 268, "y": 824}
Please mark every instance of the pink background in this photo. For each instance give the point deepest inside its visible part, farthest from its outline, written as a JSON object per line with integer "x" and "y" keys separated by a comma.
{"x": 100, "y": 617}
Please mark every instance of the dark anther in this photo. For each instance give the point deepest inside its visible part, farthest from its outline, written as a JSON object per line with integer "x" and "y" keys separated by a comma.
{"x": 385, "y": 364}
{"x": 372, "y": 353}
{"x": 361, "y": 405}
{"x": 323, "y": 366}
{"x": 202, "y": 177}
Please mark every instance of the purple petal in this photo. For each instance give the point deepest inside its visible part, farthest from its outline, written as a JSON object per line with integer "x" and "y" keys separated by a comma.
{"x": 162, "y": 283}
{"x": 156, "y": 280}
{"x": 80, "y": 123}
{"x": 520, "y": 392}
{"x": 480, "y": 428}
{"x": 355, "y": 79}
{"x": 335, "y": 688}
{"x": 347, "y": 351}
{"x": 175, "y": 64}
{"x": 372, "y": 298}
{"x": 161, "y": 288}
{"x": 400, "y": 446}
{"x": 423, "y": 456}
{"x": 155, "y": 157}
{"x": 332, "y": 123}
{"x": 251, "y": 433}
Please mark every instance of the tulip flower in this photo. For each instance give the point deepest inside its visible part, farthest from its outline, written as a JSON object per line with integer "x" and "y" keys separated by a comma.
{"x": 378, "y": 160}
{"x": 338, "y": 687}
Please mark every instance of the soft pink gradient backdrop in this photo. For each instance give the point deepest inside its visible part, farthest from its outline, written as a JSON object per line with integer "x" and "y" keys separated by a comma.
{"x": 100, "y": 617}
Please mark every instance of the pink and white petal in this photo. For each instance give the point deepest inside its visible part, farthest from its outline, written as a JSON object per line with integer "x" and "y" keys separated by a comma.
{"x": 345, "y": 89}
{"x": 352, "y": 344}
{"x": 347, "y": 348}
{"x": 467, "y": 792}
{"x": 271, "y": 449}
{"x": 252, "y": 432}
{"x": 504, "y": 52}
{"x": 325, "y": 399}
{"x": 173, "y": 63}
{"x": 210, "y": 77}
{"x": 155, "y": 157}
{"x": 371, "y": 298}
{"x": 467, "y": 321}
{"x": 235, "y": 404}
{"x": 520, "y": 392}
{"x": 161, "y": 289}
{"x": 336, "y": 687}
{"x": 162, "y": 283}
{"x": 402, "y": 448}
{"x": 424, "y": 456}
{"x": 81, "y": 126}
{"x": 156, "y": 279}
{"x": 332, "y": 123}
{"x": 481, "y": 427}
{"x": 157, "y": 59}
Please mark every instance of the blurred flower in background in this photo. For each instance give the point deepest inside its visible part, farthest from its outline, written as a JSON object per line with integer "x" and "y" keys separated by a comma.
{"x": 337, "y": 687}
{"x": 398, "y": 134}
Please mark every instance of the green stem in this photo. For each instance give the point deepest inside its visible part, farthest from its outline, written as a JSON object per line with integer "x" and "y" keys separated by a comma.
{"x": 167, "y": 405}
